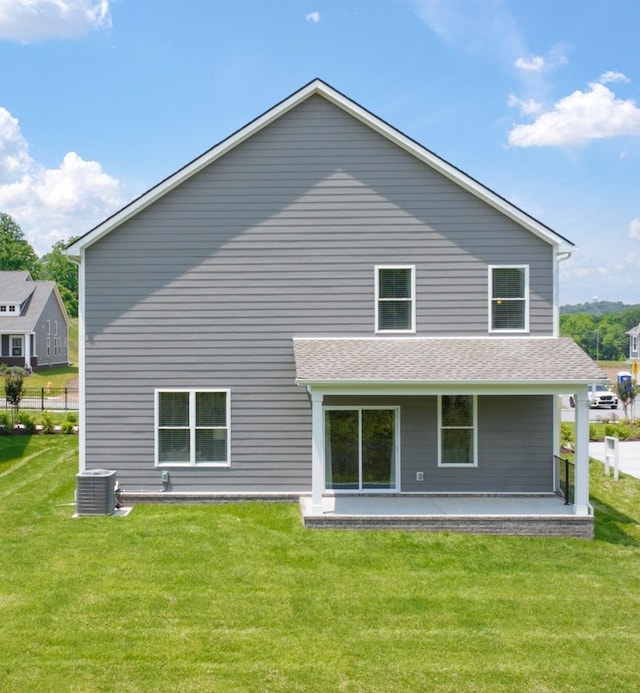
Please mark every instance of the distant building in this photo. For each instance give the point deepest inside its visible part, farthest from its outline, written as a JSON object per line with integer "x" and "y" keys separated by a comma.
{"x": 34, "y": 325}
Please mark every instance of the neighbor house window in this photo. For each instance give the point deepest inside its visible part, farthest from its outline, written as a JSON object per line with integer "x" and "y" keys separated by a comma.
{"x": 395, "y": 299}
{"x": 17, "y": 345}
{"x": 508, "y": 296}
{"x": 457, "y": 431}
{"x": 192, "y": 427}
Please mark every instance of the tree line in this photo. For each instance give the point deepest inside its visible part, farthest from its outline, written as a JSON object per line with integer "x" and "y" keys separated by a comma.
{"x": 16, "y": 253}
{"x": 598, "y": 327}
{"x": 602, "y": 335}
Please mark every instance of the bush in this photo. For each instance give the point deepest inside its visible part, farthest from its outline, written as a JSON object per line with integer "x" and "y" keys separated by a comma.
{"x": 27, "y": 421}
{"x": 69, "y": 423}
{"x": 5, "y": 421}
{"x": 47, "y": 422}
{"x": 566, "y": 435}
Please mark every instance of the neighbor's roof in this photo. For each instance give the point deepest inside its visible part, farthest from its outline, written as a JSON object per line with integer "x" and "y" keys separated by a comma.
{"x": 18, "y": 287}
{"x": 431, "y": 361}
{"x": 321, "y": 88}
{"x": 15, "y": 286}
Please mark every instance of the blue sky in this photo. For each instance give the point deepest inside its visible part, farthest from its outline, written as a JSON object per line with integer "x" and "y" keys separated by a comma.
{"x": 540, "y": 101}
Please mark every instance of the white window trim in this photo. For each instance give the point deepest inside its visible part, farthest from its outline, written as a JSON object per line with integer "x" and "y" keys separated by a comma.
{"x": 397, "y": 446}
{"x": 377, "y": 300}
{"x": 21, "y": 338}
{"x": 526, "y": 300}
{"x": 192, "y": 428}
{"x": 462, "y": 465}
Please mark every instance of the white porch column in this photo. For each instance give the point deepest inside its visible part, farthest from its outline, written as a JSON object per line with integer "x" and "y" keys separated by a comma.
{"x": 581, "y": 482}
{"x": 317, "y": 452}
{"x": 27, "y": 351}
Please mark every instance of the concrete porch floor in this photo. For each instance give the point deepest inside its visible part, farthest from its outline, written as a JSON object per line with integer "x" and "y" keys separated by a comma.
{"x": 542, "y": 515}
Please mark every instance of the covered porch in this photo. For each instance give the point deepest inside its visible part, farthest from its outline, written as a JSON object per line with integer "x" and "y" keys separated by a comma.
{"x": 489, "y": 371}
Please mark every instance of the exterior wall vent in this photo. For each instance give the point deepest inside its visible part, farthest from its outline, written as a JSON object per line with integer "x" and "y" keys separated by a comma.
{"x": 96, "y": 492}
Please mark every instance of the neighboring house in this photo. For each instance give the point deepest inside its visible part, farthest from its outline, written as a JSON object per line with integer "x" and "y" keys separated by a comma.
{"x": 33, "y": 323}
{"x": 634, "y": 351}
{"x": 319, "y": 305}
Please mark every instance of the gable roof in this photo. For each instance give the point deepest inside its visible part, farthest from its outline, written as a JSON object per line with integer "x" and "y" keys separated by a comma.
{"x": 483, "y": 361}
{"x": 18, "y": 287}
{"x": 323, "y": 89}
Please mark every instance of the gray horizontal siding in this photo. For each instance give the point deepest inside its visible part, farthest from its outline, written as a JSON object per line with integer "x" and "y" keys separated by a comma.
{"x": 279, "y": 238}
{"x": 515, "y": 445}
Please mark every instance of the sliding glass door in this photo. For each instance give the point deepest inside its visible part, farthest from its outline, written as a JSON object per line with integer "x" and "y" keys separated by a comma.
{"x": 360, "y": 448}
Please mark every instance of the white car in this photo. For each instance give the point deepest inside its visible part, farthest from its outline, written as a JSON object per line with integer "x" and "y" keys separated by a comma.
{"x": 599, "y": 395}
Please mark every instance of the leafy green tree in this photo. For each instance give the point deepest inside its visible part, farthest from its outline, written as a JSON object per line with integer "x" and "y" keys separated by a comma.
{"x": 57, "y": 267}
{"x": 15, "y": 251}
{"x": 13, "y": 387}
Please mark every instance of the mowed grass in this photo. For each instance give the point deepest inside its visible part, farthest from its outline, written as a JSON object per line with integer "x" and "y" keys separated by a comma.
{"x": 241, "y": 598}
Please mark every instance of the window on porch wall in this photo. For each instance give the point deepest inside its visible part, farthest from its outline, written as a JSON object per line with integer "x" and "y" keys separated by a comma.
{"x": 457, "y": 430}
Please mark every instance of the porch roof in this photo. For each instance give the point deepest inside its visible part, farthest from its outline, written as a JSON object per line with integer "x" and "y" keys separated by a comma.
{"x": 499, "y": 361}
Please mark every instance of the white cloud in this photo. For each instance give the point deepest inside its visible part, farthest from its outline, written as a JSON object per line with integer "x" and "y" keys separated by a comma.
{"x": 33, "y": 20}
{"x": 477, "y": 25}
{"x": 51, "y": 204}
{"x": 579, "y": 118}
{"x": 313, "y": 17}
{"x": 525, "y": 106}
{"x": 634, "y": 228}
{"x": 535, "y": 64}
{"x": 613, "y": 76}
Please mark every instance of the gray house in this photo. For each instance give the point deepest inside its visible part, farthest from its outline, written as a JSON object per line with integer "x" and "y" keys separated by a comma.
{"x": 33, "y": 323}
{"x": 320, "y": 307}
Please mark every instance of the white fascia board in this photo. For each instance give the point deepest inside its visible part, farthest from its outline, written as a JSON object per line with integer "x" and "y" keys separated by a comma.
{"x": 190, "y": 169}
{"x": 317, "y": 86}
{"x": 399, "y": 388}
{"x": 446, "y": 169}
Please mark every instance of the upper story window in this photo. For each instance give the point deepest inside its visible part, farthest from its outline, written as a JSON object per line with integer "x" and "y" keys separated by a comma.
{"x": 395, "y": 299}
{"x": 509, "y": 298}
{"x": 6, "y": 309}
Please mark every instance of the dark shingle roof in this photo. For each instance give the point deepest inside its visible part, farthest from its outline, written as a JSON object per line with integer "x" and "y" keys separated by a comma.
{"x": 483, "y": 360}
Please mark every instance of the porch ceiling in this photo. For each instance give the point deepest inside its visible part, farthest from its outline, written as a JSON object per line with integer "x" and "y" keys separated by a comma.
{"x": 548, "y": 361}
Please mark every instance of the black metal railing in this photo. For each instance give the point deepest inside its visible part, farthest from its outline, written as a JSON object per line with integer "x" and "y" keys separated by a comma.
{"x": 48, "y": 398}
{"x": 565, "y": 476}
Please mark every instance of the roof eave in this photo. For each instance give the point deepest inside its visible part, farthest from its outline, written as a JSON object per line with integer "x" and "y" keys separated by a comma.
{"x": 469, "y": 384}
{"x": 317, "y": 86}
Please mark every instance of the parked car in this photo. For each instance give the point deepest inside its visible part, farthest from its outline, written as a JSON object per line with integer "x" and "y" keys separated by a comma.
{"x": 599, "y": 395}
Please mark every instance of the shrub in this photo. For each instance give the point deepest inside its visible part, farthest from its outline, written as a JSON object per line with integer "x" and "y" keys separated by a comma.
{"x": 610, "y": 430}
{"x": 27, "y": 421}
{"x": 5, "y": 421}
{"x": 593, "y": 432}
{"x": 47, "y": 422}
{"x": 566, "y": 435}
{"x": 69, "y": 422}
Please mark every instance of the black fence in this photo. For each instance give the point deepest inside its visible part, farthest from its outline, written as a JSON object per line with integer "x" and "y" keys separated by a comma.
{"x": 48, "y": 398}
{"x": 565, "y": 475}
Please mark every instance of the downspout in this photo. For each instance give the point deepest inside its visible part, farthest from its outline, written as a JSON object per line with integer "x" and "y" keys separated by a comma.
{"x": 560, "y": 257}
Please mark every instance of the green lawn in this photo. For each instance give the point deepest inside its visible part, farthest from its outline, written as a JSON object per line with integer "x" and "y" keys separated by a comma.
{"x": 241, "y": 598}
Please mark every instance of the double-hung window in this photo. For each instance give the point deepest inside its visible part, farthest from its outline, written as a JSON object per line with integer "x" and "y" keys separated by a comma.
{"x": 457, "y": 431}
{"x": 192, "y": 427}
{"x": 509, "y": 298}
{"x": 17, "y": 345}
{"x": 395, "y": 299}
